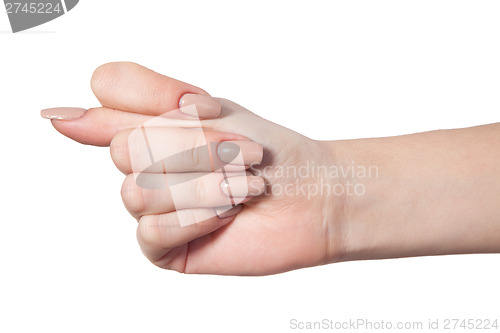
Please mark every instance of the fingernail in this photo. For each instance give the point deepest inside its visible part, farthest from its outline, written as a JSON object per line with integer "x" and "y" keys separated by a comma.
{"x": 228, "y": 211}
{"x": 63, "y": 113}
{"x": 243, "y": 186}
{"x": 240, "y": 152}
{"x": 200, "y": 106}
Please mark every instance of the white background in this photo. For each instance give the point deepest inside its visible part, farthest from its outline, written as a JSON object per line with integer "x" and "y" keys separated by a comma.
{"x": 69, "y": 261}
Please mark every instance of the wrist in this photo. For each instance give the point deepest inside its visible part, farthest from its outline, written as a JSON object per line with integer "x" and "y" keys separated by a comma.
{"x": 363, "y": 169}
{"x": 346, "y": 187}
{"x": 367, "y": 216}
{"x": 376, "y": 214}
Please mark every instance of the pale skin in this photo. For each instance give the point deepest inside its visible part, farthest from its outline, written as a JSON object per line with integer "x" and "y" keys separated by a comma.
{"x": 434, "y": 193}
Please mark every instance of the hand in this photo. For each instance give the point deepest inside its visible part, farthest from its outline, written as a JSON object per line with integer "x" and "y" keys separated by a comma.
{"x": 288, "y": 226}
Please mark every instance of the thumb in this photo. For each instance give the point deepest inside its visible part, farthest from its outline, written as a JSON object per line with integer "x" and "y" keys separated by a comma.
{"x": 131, "y": 95}
{"x": 133, "y": 88}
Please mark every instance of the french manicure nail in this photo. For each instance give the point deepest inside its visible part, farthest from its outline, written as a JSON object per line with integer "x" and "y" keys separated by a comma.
{"x": 240, "y": 152}
{"x": 243, "y": 186}
{"x": 228, "y": 211}
{"x": 200, "y": 106}
{"x": 63, "y": 113}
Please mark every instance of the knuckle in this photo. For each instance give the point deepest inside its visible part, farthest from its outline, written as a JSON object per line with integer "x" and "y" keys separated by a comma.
{"x": 119, "y": 151}
{"x": 149, "y": 231}
{"x": 200, "y": 190}
{"x": 195, "y": 158}
{"x": 132, "y": 196}
{"x": 198, "y": 156}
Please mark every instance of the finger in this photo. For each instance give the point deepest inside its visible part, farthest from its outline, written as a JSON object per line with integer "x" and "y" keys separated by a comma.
{"x": 94, "y": 126}
{"x": 98, "y": 126}
{"x": 130, "y": 87}
{"x": 159, "y": 234}
{"x": 164, "y": 193}
{"x": 165, "y": 149}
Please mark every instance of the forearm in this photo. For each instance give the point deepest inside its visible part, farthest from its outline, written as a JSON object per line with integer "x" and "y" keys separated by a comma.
{"x": 432, "y": 193}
